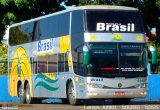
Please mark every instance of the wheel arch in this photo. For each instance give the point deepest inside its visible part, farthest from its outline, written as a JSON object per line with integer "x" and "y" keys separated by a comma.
{"x": 19, "y": 83}
{"x": 25, "y": 83}
{"x": 67, "y": 85}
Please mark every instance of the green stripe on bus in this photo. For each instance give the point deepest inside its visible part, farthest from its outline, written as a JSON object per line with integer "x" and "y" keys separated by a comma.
{"x": 46, "y": 86}
{"x": 45, "y": 78}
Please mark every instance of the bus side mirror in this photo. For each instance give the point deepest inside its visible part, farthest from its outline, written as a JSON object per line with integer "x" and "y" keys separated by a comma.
{"x": 85, "y": 55}
{"x": 154, "y": 57}
{"x": 153, "y": 54}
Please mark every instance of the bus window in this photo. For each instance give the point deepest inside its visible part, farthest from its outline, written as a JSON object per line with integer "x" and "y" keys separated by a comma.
{"x": 81, "y": 68}
{"x": 42, "y": 64}
{"x": 36, "y": 31}
{"x": 64, "y": 24}
{"x": 77, "y": 22}
{"x": 53, "y": 25}
{"x": 47, "y": 64}
{"x": 113, "y": 21}
{"x": 21, "y": 34}
{"x": 52, "y": 63}
{"x": 104, "y": 57}
{"x": 44, "y": 29}
{"x": 34, "y": 64}
{"x": 62, "y": 62}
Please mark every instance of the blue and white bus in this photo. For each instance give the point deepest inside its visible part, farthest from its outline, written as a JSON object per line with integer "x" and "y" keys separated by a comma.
{"x": 88, "y": 52}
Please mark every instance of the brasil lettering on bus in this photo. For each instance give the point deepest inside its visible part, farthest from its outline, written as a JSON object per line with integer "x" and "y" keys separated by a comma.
{"x": 45, "y": 45}
{"x": 130, "y": 27}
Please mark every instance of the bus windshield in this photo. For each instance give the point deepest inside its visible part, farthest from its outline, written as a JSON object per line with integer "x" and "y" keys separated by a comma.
{"x": 118, "y": 59}
{"x": 114, "y": 21}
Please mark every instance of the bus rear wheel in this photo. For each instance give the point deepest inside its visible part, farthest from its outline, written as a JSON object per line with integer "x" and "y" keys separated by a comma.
{"x": 29, "y": 99}
{"x": 21, "y": 94}
{"x": 72, "y": 95}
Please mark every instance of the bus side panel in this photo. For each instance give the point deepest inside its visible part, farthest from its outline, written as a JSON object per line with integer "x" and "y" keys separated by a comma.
{"x": 50, "y": 79}
{"x": 12, "y": 82}
{"x": 20, "y": 68}
{"x": 50, "y": 85}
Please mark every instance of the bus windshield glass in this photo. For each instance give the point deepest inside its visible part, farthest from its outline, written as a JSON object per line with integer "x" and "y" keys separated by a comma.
{"x": 125, "y": 21}
{"x": 104, "y": 57}
{"x": 118, "y": 59}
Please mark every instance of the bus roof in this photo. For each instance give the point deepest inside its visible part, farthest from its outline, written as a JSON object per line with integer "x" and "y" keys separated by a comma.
{"x": 96, "y": 7}
{"x": 109, "y": 7}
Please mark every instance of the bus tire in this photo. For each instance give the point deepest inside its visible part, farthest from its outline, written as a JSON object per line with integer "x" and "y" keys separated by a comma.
{"x": 29, "y": 99}
{"x": 71, "y": 95}
{"x": 21, "y": 94}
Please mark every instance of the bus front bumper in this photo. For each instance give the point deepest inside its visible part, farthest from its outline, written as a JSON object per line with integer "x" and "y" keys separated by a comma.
{"x": 115, "y": 93}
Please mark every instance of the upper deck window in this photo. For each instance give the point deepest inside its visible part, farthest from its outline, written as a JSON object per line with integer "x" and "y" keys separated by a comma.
{"x": 124, "y": 21}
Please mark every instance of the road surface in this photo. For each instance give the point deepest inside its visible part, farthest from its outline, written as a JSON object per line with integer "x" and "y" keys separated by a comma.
{"x": 93, "y": 105}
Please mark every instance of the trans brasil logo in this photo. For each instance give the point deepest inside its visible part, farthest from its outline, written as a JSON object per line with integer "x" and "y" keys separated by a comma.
{"x": 130, "y": 27}
{"x": 45, "y": 46}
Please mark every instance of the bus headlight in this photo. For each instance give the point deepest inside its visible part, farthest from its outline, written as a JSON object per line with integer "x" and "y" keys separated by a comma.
{"x": 94, "y": 85}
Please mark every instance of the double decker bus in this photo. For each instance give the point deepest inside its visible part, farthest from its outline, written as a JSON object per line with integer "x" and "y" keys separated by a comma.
{"x": 88, "y": 52}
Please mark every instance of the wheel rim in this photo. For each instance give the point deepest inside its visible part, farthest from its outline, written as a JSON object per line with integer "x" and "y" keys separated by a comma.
{"x": 28, "y": 97}
{"x": 72, "y": 92}
{"x": 21, "y": 92}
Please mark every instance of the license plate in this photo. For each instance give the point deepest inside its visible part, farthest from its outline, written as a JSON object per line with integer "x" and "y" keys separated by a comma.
{"x": 119, "y": 93}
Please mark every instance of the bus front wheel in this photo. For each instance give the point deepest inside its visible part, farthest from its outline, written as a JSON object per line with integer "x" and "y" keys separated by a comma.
{"x": 72, "y": 95}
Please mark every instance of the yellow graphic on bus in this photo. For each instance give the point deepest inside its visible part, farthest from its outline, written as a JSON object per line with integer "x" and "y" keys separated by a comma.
{"x": 65, "y": 47}
{"x": 117, "y": 37}
{"x": 139, "y": 38}
{"x": 93, "y": 38}
{"x": 64, "y": 44}
{"x": 20, "y": 70}
{"x": 51, "y": 76}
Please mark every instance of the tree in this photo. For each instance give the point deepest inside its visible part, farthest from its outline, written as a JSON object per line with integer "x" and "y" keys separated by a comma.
{"x": 13, "y": 11}
{"x": 3, "y": 60}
